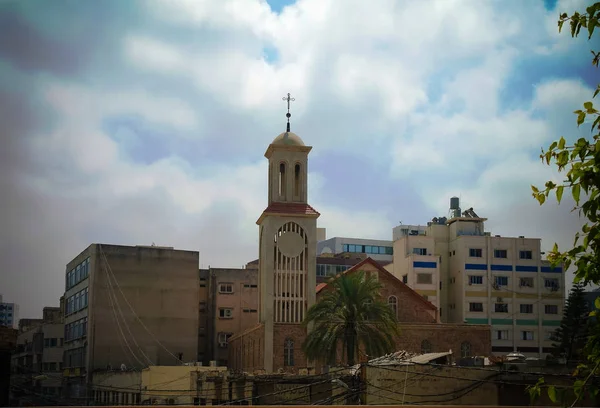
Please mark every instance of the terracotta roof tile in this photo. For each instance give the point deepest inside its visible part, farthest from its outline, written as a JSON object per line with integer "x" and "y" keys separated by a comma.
{"x": 291, "y": 208}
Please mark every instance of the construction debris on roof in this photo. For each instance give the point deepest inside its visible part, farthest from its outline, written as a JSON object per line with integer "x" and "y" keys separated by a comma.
{"x": 403, "y": 357}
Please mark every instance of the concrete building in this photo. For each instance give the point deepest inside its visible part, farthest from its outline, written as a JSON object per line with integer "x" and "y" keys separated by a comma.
{"x": 8, "y": 342}
{"x": 128, "y": 307}
{"x": 9, "y": 314}
{"x": 474, "y": 277}
{"x": 231, "y": 306}
{"x": 37, "y": 361}
{"x": 380, "y": 250}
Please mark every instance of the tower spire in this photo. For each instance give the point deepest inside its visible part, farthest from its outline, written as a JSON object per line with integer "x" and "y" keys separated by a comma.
{"x": 288, "y": 114}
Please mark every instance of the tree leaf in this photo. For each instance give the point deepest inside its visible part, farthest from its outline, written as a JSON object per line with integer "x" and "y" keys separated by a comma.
{"x": 597, "y": 303}
{"x": 580, "y": 118}
{"x": 588, "y": 105}
{"x": 561, "y": 143}
{"x": 559, "y": 193}
{"x": 576, "y": 191}
{"x": 552, "y": 393}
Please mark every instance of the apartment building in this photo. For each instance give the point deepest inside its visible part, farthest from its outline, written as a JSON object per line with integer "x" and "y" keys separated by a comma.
{"x": 128, "y": 307}
{"x": 379, "y": 250}
{"x": 474, "y": 277}
{"x": 37, "y": 360}
{"x": 230, "y": 307}
{"x": 9, "y": 314}
{"x": 8, "y": 341}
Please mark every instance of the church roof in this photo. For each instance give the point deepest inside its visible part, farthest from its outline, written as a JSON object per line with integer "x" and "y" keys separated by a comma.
{"x": 289, "y": 208}
{"x": 381, "y": 269}
{"x": 288, "y": 139}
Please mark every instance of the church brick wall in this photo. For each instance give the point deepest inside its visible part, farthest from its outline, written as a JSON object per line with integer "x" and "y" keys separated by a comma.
{"x": 246, "y": 350}
{"x": 444, "y": 337}
{"x": 281, "y": 332}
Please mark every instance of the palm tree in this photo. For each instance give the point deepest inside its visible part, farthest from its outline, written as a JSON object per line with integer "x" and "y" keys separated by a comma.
{"x": 352, "y": 312}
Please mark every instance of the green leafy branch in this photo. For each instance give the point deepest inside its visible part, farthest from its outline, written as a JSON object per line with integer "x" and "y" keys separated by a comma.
{"x": 581, "y": 161}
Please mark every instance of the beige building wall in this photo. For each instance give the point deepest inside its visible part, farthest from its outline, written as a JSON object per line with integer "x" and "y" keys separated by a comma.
{"x": 141, "y": 308}
{"x": 416, "y": 264}
{"x": 235, "y": 294}
{"x": 477, "y": 271}
{"x": 421, "y": 384}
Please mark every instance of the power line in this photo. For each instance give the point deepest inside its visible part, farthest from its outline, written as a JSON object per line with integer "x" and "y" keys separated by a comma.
{"x": 132, "y": 309}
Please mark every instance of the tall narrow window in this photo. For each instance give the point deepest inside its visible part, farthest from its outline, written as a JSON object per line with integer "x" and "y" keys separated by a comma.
{"x": 288, "y": 353}
{"x": 425, "y": 347}
{"x": 393, "y": 303}
{"x": 297, "y": 181}
{"x": 282, "y": 179}
{"x": 465, "y": 349}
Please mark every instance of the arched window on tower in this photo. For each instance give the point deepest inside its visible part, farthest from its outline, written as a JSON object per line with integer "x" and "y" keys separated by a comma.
{"x": 282, "y": 179}
{"x": 465, "y": 349}
{"x": 288, "y": 353}
{"x": 425, "y": 347}
{"x": 393, "y": 304}
{"x": 297, "y": 177}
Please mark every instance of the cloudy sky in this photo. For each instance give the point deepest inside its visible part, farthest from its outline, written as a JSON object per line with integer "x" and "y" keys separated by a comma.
{"x": 133, "y": 122}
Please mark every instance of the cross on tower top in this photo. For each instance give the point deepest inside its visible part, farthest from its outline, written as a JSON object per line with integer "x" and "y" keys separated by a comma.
{"x": 289, "y": 99}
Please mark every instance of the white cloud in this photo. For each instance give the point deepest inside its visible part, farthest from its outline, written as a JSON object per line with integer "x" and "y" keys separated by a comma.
{"x": 415, "y": 87}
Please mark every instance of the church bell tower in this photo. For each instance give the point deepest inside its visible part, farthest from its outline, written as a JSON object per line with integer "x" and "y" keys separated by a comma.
{"x": 287, "y": 240}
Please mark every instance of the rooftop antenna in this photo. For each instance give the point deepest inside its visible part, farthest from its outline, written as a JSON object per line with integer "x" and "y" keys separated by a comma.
{"x": 288, "y": 115}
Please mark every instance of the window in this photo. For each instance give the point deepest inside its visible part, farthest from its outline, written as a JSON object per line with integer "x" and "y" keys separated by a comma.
{"x": 288, "y": 353}
{"x": 405, "y": 279}
{"x": 501, "y": 280}
{"x": 526, "y": 335}
{"x": 297, "y": 180}
{"x": 223, "y": 339}
{"x": 526, "y": 282}
{"x": 475, "y": 252}
{"x": 501, "y": 335}
{"x": 501, "y": 307}
{"x": 424, "y": 278}
{"x": 525, "y": 255}
{"x": 321, "y": 270}
{"x": 549, "y": 335}
{"x": 225, "y": 313}
{"x": 551, "y": 309}
{"x": 393, "y": 303}
{"x": 345, "y": 248}
{"x": 475, "y": 280}
{"x": 281, "y": 184}
{"x": 551, "y": 283}
{"x": 420, "y": 251}
{"x": 526, "y": 308}
{"x": 202, "y": 307}
{"x": 246, "y": 310}
{"x": 425, "y": 347}
{"x": 247, "y": 285}
{"x": 465, "y": 349}
{"x": 225, "y": 287}
{"x": 500, "y": 253}
{"x": 475, "y": 307}
{"x": 202, "y": 282}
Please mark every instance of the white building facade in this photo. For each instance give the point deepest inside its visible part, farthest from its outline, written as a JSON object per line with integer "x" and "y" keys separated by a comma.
{"x": 474, "y": 277}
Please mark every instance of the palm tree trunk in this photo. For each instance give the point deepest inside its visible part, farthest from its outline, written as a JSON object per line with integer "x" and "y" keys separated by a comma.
{"x": 350, "y": 347}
